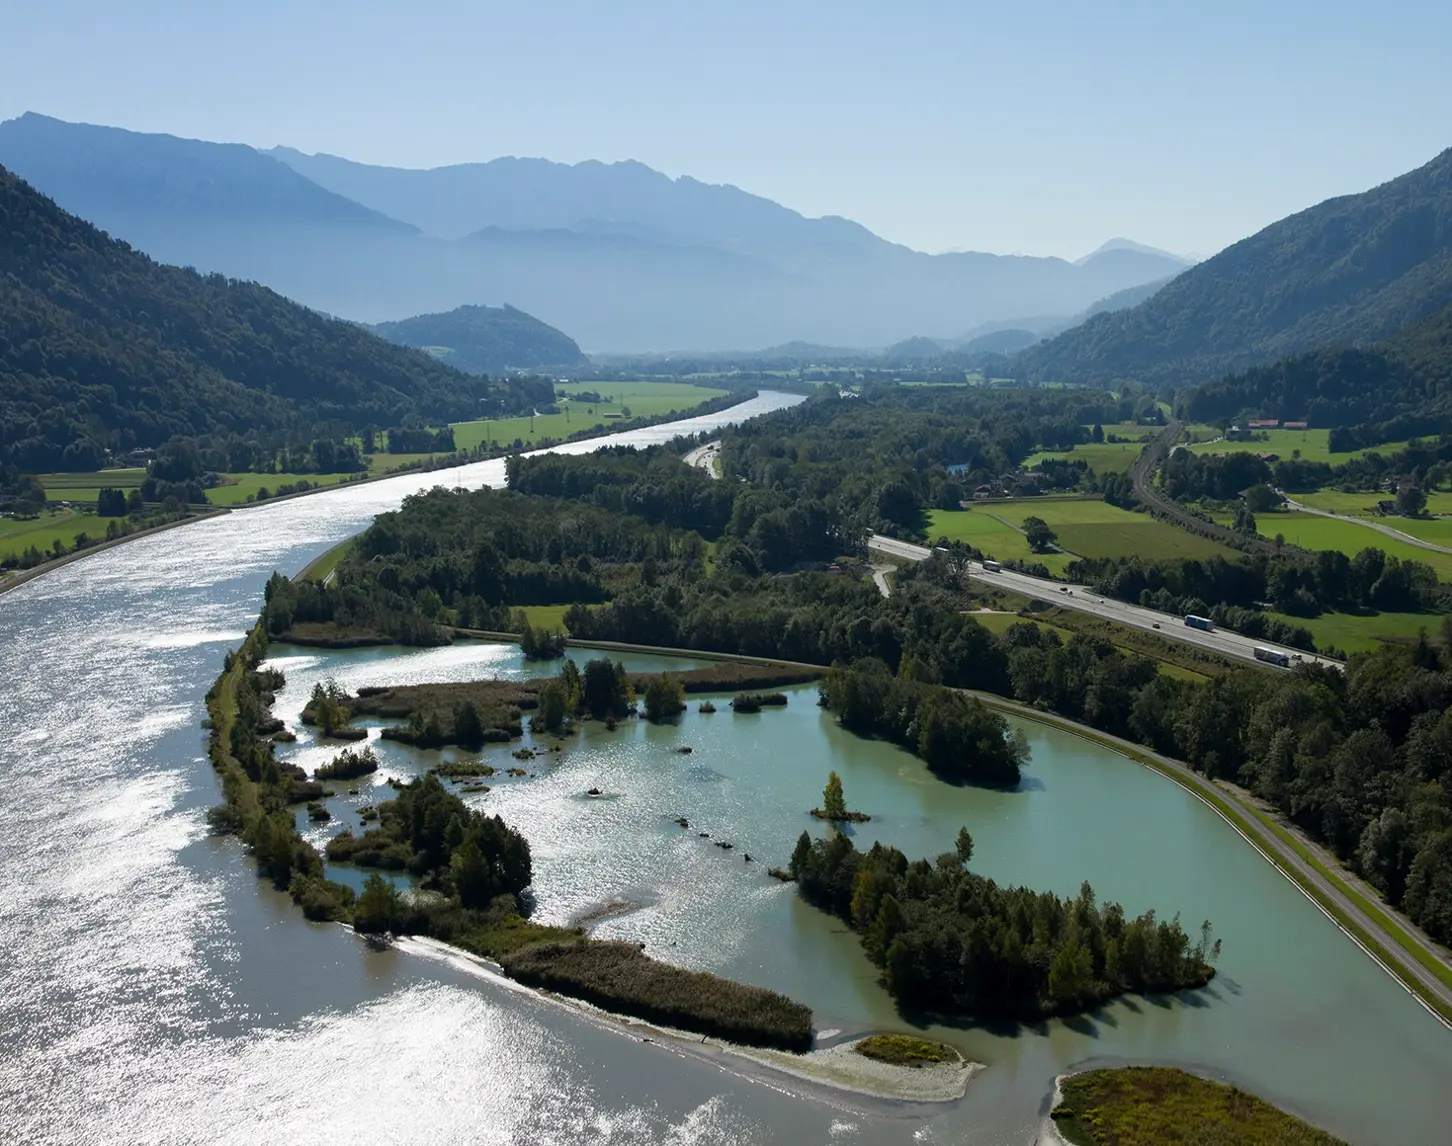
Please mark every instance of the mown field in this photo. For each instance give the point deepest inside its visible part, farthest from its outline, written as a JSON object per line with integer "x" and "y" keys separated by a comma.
{"x": 640, "y": 398}
{"x": 1354, "y": 634}
{"x": 86, "y": 487}
{"x": 1364, "y": 504}
{"x": 1086, "y": 527}
{"x": 546, "y": 616}
{"x": 239, "y": 487}
{"x": 990, "y": 535}
{"x": 1102, "y": 457}
{"x": 1313, "y": 445}
{"x": 18, "y": 536}
{"x": 1310, "y": 531}
{"x": 1437, "y": 530}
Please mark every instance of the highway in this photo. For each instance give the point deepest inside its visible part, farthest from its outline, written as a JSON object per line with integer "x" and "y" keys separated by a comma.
{"x": 1084, "y": 600}
{"x": 706, "y": 457}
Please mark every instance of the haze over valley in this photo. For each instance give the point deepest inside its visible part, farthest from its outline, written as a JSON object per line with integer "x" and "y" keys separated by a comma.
{"x": 619, "y": 256}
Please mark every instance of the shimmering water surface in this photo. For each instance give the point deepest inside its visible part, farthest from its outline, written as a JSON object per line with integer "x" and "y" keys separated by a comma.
{"x": 151, "y": 989}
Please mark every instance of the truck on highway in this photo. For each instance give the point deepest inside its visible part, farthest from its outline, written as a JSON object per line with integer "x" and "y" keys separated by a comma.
{"x": 1272, "y": 656}
{"x": 1203, "y": 623}
{"x": 992, "y": 567}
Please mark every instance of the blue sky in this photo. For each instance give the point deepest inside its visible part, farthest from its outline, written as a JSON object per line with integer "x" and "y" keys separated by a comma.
{"x": 1037, "y": 127}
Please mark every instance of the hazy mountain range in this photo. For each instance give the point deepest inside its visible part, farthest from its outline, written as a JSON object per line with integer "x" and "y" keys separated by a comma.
{"x": 618, "y": 255}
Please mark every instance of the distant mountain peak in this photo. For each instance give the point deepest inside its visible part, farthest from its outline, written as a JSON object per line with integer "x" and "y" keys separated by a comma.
{"x": 1122, "y": 244}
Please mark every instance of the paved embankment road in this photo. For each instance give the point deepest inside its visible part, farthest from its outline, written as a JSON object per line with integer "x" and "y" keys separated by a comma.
{"x": 1395, "y": 534}
{"x": 1422, "y": 965}
{"x": 1084, "y": 600}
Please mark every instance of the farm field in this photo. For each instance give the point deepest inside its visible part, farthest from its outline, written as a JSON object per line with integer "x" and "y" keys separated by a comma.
{"x": 1353, "y": 634}
{"x": 1362, "y": 504}
{"x": 996, "y": 538}
{"x": 1313, "y": 445}
{"x": 17, "y": 536}
{"x": 86, "y": 487}
{"x": 1309, "y": 531}
{"x": 240, "y": 487}
{"x": 1115, "y": 457}
{"x": 546, "y": 616}
{"x": 1437, "y": 530}
{"x": 1102, "y": 457}
{"x": 1093, "y": 528}
{"x": 1085, "y": 527}
{"x": 641, "y": 398}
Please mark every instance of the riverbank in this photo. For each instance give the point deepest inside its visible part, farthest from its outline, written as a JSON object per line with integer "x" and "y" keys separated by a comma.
{"x": 838, "y": 1067}
{"x": 20, "y": 577}
{"x": 702, "y": 409}
{"x": 1392, "y": 941}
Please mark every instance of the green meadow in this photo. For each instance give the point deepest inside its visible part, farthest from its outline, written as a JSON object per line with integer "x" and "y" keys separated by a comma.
{"x": 16, "y": 536}
{"x": 1310, "y": 531}
{"x": 1312, "y": 444}
{"x": 1086, "y": 527}
{"x": 642, "y": 399}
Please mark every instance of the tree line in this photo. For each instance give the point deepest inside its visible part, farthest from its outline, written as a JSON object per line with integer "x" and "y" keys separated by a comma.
{"x": 952, "y": 943}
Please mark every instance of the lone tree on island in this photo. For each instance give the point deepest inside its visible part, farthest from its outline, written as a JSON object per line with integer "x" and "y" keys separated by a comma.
{"x": 834, "y": 804}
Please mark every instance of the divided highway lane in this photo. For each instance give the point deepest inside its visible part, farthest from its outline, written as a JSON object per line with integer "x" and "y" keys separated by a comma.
{"x": 1084, "y": 600}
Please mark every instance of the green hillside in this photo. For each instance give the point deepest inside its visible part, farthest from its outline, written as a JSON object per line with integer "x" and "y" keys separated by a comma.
{"x": 1348, "y": 271}
{"x": 485, "y": 339}
{"x": 100, "y": 347}
{"x": 1401, "y": 387}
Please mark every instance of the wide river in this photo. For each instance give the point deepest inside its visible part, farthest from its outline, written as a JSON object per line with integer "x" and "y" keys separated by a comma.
{"x": 153, "y": 990}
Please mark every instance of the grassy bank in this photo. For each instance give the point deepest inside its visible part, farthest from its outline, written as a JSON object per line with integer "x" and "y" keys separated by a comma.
{"x": 1159, "y": 1106}
{"x": 621, "y": 977}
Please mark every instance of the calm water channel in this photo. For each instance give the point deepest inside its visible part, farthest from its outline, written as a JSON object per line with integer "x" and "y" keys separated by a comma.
{"x": 151, "y": 989}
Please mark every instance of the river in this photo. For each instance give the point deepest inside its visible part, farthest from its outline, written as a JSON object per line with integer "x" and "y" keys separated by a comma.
{"x": 152, "y": 989}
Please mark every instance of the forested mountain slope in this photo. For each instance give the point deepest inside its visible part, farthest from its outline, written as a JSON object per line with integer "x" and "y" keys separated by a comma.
{"x": 1355, "y": 269}
{"x": 1403, "y": 385}
{"x": 485, "y": 339}
{"x": 102, "y": 347}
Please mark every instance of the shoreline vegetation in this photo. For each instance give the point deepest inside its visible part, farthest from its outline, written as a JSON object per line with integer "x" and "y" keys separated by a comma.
{"x": 1154, "y": 1105}
{"x": 954, "y": 944}
{"x": 471, "y": 868}
{"x": 470, "y": 714}
{"x": 838, "y": 1067}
